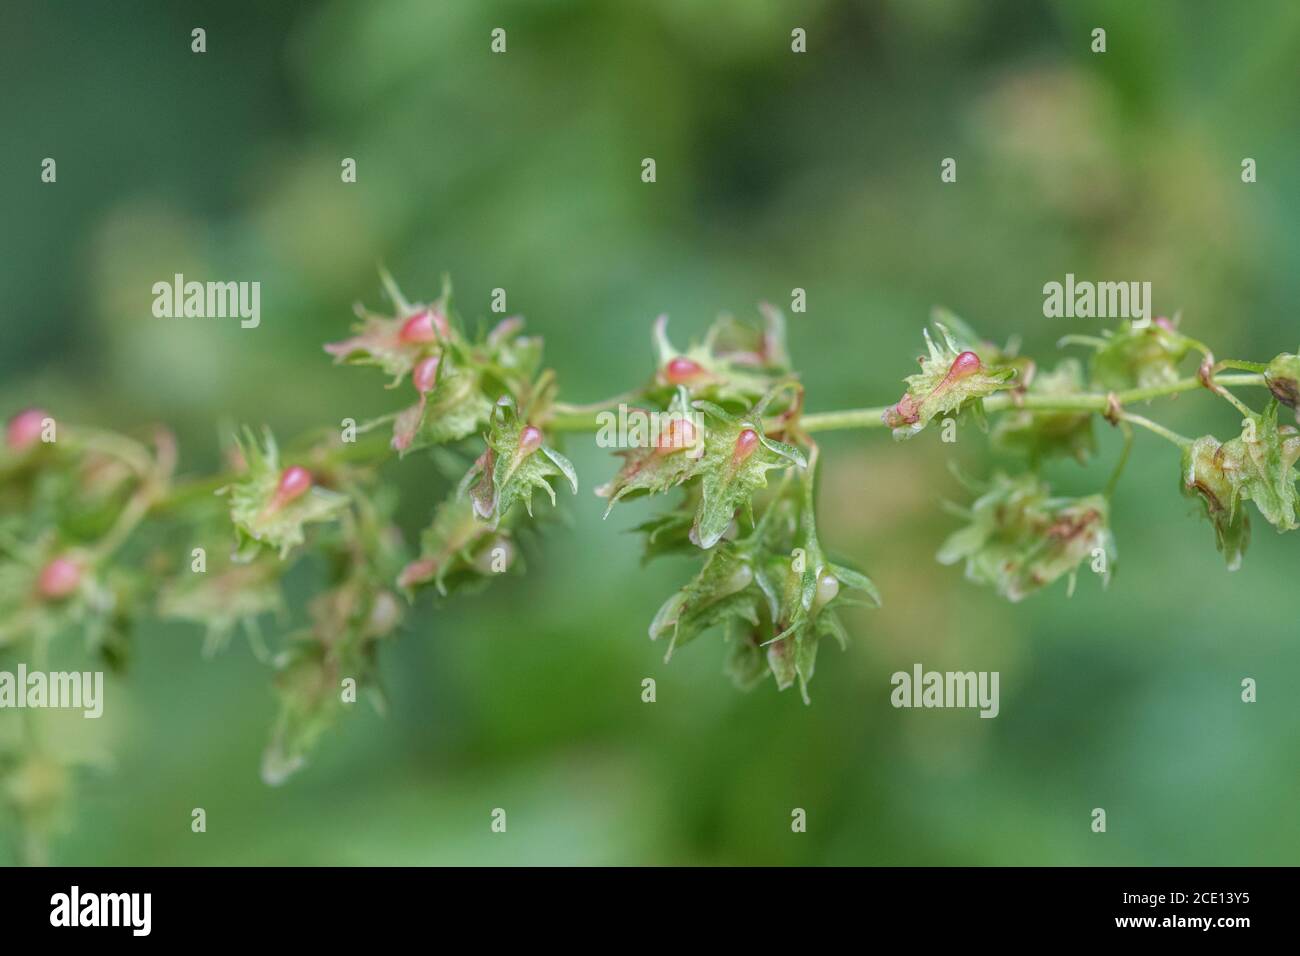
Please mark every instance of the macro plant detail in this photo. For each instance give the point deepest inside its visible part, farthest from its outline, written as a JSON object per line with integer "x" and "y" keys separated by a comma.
{"x": 98, "y": 531}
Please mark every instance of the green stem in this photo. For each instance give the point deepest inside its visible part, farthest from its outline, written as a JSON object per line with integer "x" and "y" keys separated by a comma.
{"x": 375, "y": 446}
{"x": 1182, "y": 441}
{"x": 1234, "y": 401}
{"x": 566, "y": 421}
{"x": 1113, "y": 483}
{"x": 563, "y": 409}
{"x": 1242, "y": 365}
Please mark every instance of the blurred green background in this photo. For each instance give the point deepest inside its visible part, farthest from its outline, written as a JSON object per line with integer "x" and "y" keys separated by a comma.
{"x": 775, "y": 170}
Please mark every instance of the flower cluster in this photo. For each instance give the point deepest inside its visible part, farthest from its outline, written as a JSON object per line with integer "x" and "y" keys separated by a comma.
{"x": 954, "y": 379}
{"x": 1140, "y": 355}
{"x": 1019, "y": 538}
{"x": 764, "y": 579}
{"x": 1259, "y": 465}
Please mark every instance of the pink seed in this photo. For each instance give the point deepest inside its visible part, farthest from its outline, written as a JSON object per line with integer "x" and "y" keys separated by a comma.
{"x": 58, "y": 579}
{"x": 418, "y": 328}
{"x": 746, "y": 442}
{"x": 968, "y": 363}
{"x": 25, "y": 429}
{"x": 530, "y": 439}
{"x": 425, "y": 375}
{"x": 294, "y": 482}
{"x": 680, "y": 370}
{"x": 425, "y": 326}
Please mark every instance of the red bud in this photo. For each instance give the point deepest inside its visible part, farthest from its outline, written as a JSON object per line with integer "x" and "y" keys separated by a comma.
{"x": 746, "y": 442}
{"x": 530, "y": 439}
{"x": 681, "y": 370}
{"x": 967, "y": 363}
{"x": 425, "y": 375}
{"x": 425, "y": 326}
{"x": 58, "y": 579}
{"x": 25, "y": 429}
{"x": 294, "y": 482}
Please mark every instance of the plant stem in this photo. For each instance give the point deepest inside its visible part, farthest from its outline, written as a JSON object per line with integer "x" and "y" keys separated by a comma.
{"x": 1182, "y": 441}
{"x": 1113, "y": 483}
{"x": 568, "y": 421}
{"x": 375, "y": 447}
{"x": 563, "y": 409}
{"x": 1242, "y": 365}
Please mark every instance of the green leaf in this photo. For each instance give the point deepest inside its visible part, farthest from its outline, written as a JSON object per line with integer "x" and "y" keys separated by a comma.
{"x": 458, "y": 550}
{"x": 455, "y": 409}
{"x": 721, "y": 592}
{"x": 1207, "y": 477}
{"x": 1260, "y": 465}
{"x": 805, "y": 660}
{"x": 668, "y": 533}
{"x": 1266, "y": 462}
{"x": 856, "y": 581}
{"x": 781, "y": 662}
{"x": 514, "y": 465}
{"x": 746, "y": 663}
{"x": 736, "y": 460}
